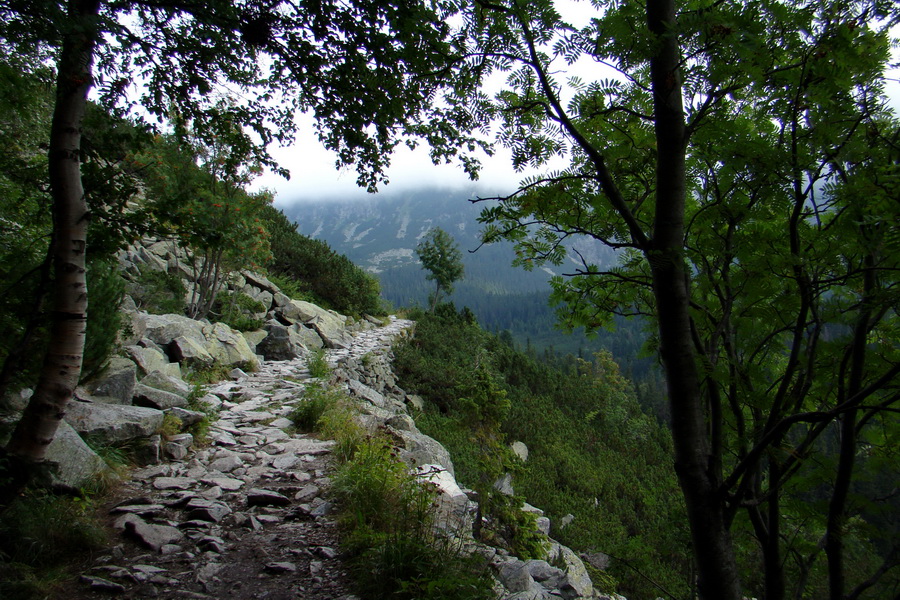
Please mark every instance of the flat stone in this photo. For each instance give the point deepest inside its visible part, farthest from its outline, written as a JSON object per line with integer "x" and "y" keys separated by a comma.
{"x": 152, "y": 536}
{"x": 309, "y": 446}
{"x": 307, "y": 493}
{"x": 211, "y": 543}
{"x": 207, "y": 510}
{"x": 173, "y": 483}
{"x": 226, "y": 464}
{"x": 103, "y": 585}
{"x": 252, "y": 416}
{"x": 322, "y": 510}
{"x": 226, "y": 483}
{"x": 261, "y": 497}
{"x": 325, "y": 552}
{"x": 138, "y": 509}
{"x": 285, "y": 461}
{"x": 281, "y": 567}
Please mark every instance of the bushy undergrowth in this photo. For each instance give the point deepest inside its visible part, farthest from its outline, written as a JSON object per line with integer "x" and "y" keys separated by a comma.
{"x": 317, "y": 400}
{"x": 318, "y": 365}
{"x": 387, "y": 515}
{"x": 593, "y": 453}
{"x": 327, "y": 276}
{"x": 388, "y": 519}
{"x": 40, "y": 535}
{"x": 238, "y": 311}
{"x": 158, "y": 292}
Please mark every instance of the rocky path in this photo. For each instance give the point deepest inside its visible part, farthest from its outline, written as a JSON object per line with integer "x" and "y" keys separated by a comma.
{"x": 244, "y": 518}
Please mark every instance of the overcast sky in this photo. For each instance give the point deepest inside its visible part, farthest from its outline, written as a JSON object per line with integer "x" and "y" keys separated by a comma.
{"x": 314, "y": 176}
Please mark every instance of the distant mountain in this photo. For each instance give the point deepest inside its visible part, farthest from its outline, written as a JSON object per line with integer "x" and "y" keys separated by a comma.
{"x": 380, "y": 233}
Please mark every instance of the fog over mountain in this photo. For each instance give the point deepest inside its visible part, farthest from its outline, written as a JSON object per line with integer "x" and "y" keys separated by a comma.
{"x": 380, "y": 233}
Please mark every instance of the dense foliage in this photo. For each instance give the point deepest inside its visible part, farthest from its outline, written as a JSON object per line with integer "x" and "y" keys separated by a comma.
{"x": 329, "y": 277}
{"x": 743, "y": 160}
{"x": 592, "y": 451}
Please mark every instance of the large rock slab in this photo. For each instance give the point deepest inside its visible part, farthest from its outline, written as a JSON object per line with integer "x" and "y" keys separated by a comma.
{"x": 147, "y": 396}
{"x": 577, "y": 582}
{"x": 228, "y": 347}
{"x": 330, "y": 326}
{"x": 72, "y": 462}
{"x": 162, "y": 329}
{"x": 282, "y": 342}
{"x": 417, "y": 449}
{"x": 167, "y": 383}
{"x": 117, "y": 380}
{"x": 191, "y": 351}
{"x": 150, "y": 535}
{"x": 151, "y": 359}
{"x": 113, "y": 422}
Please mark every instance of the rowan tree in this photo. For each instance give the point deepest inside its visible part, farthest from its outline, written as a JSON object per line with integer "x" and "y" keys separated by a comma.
{"x": 718, "y": 152}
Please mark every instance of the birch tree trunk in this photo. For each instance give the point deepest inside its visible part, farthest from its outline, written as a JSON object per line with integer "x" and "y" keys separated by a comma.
{"x": 62, "y": 363}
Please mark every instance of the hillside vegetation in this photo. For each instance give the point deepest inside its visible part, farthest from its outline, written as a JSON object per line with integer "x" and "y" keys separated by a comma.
{"x": 592, "y": 452}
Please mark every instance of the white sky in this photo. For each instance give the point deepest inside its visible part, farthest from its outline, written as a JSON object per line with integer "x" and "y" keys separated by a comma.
{"x": 314, "y": 175}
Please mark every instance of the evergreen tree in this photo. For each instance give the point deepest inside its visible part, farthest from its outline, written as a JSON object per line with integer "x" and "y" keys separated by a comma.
{"x": 442, "y": 259}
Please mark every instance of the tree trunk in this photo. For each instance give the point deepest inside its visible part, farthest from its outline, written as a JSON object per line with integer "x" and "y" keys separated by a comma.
{"x": 837, "y": 506}
{"x": 62, "y": 363}
{"x": 694, "y": 463}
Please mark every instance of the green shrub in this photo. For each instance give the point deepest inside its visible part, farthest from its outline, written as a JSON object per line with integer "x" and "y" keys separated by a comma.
{"x": 203, "y": 374}
{"x": 40, "y": 534}
{"x": 104, "y": 319}
{"x": 318, "y": 365}
{"x": 316, "y": 401}
{"x": 158, "y": 292}
{"x": 237, "y": 310}
{"x": 389, "y": 519}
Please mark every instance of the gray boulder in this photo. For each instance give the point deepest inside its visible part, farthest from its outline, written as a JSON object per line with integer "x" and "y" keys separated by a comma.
{"x": 417, "y": 449}
{"x": 260, "y": 281}
{"x": 147, "y": 396}
{"x": 117, "y": 380}
{"x": 330, "y": 326}
{"x": 577, "y": 582}
{"x": 152, "y": 359}
{"x": 166, "y": 383}
{"x": 191, "y": 351}
{"x": 228, "y": 347}
{"x": 72, "y": 462}
{"x": 281, "y": 343}
{"x": 162, "y": 329}
{"x": 253, "y": 338}
{"x": 113, "y": 422}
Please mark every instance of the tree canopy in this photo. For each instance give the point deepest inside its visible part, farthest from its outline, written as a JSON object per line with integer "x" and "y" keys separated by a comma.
{"x": 723, "y": 151}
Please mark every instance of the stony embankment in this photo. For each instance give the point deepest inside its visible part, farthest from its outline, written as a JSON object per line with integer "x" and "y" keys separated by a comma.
{"x": 244, "y": 517}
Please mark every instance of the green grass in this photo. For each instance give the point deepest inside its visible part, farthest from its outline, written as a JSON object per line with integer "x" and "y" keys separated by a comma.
{"x": 43, "y": 538}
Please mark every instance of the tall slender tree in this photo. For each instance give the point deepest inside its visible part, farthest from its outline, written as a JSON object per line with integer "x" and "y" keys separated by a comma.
{"x": 442, "y": 259}
{"x": 708, "y": 154}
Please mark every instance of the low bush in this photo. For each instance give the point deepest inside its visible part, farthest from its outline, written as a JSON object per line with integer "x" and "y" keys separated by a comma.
{"x": 318, "y": 365}
{"x": 238, "y": 310}
{"x": 388, "y": 519}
